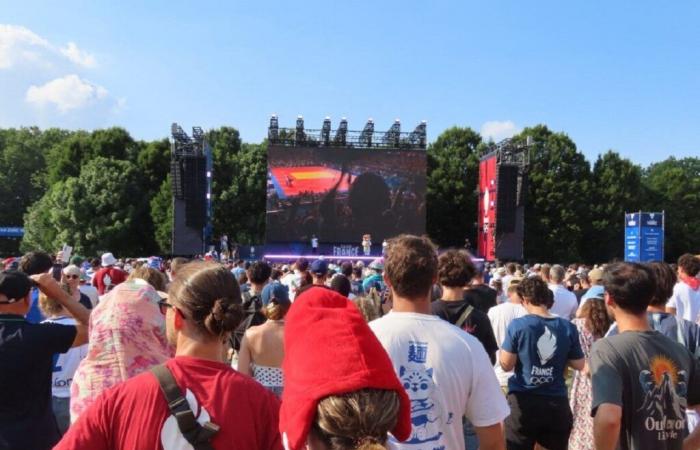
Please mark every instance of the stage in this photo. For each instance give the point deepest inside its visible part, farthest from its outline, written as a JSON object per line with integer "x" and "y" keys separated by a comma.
{"x": 291, "y": 181}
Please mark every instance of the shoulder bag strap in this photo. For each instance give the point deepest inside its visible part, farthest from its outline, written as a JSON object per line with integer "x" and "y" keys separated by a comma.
{"x": 196, "y": 434}
{"x": 465, "y": 315}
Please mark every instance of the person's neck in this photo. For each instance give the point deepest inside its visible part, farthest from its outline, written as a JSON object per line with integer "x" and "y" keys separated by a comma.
{"x": 515, "y": 301}
{"x": 631, "y": 322}
{"x": 211, "y": 350}
{"x": 538, "y": 310}
{"x": 419, "y": 305}
{"x": 452, "y": 294}
{"x": 656, "y": 309}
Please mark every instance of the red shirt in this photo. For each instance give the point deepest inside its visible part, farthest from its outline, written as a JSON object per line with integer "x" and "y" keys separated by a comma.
{"x": 134, "y": 414}
{"x": 116, "y": 275}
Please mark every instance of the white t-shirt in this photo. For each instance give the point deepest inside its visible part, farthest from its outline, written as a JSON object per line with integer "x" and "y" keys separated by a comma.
{"x": 686, "y": 300}
{"x": 65, "y": 364}
{"x": 565, "y": 303}
{"x": 501, "y": 316}
{"x": 91, "y": 292}
{"x": 292, "y": 280}
{"x": 446, "y": 373}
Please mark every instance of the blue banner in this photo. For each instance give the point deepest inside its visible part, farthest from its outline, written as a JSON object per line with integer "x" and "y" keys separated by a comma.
{"x": 11, "y": 231}
{"x": 644, "y": 237}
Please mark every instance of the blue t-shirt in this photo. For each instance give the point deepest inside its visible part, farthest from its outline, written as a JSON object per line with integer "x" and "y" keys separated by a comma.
{"x": 543, "y": 346}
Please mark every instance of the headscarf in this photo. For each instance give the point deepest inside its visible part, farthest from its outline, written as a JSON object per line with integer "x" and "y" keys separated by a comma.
{"x": 127, "y": 337}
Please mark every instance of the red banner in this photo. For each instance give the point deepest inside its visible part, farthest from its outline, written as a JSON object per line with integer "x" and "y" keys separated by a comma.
{"x": 486, "y": 245}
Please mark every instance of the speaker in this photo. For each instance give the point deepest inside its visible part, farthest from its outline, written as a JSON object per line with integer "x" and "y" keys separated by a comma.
{"x": 506, "y": 198}
{"x": 176, "y": 179}
{"x": 195, "y": 190}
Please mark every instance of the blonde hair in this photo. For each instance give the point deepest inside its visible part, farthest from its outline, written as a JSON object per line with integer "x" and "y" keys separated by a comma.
{"x": 276, "y": 310}
{"x": 48, "y": 306}
{"x": 151, "y": 276}
{"x": 368, "y": 306}
{"x": 358, "y": 420}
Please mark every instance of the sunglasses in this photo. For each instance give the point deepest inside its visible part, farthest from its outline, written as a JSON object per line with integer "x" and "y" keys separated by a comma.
{"x": 163, "y": 306}
{"x": 72, "y": 277}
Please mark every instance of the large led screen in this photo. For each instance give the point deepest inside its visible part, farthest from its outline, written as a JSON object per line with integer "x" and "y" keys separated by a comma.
{"x": 340, "y": 194}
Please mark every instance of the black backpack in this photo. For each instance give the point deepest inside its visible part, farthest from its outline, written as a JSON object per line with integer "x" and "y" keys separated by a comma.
{"x": 252, "y": 310}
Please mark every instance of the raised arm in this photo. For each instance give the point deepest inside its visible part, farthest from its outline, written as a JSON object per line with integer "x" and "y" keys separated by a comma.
{"x": 50, "y": 287}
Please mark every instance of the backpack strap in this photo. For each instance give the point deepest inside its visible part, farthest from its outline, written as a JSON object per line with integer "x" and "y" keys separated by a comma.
{"x": 196, "y": 434}
{"x": 465, "y": 315}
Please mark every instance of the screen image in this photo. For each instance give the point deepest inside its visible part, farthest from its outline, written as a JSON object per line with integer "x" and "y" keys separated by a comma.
{"x": 340, "y": 194}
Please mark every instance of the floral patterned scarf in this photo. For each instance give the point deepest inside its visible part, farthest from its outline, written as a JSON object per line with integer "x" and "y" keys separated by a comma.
{"x": 127, "y": 337}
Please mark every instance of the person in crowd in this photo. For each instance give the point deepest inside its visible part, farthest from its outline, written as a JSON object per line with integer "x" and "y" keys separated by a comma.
{"x": 239, "y": 269}
{"x": 683, "y": 331}
{"x": 455, "y": 271}
{"x": 157, "y": 279}
{"x": 369, "y": 306}
{"x": 427, "y": 353}
{"x": 565, "y": 303}
{"x": 202, "y": 309}
{"x": 243, "y": 284}
{"x": 501, "y": 296}
{"x": 353, "y": 403}
{"x": 545, "y": 272}
{"x": 483, "y": 297}
{"x": 175, "y": 266}
{"x": 65, "y": 364}
{"x": 501, "y": 316}
{"x": 34, "y": 263}
{"x": 685, "y": 300}
{"x": 374, "y": 278}
{"x": 88, "y": 289}
{"x": 596, "y": 289}
{"x": 258, "y": 275}
{"x": 592, "y": 324}
{"x": 27, "y": 351}
{"x": 582, "y": 287}
{"x": 510, "y": 274}
{"x": 294, "y": 281}
{"x": 341, "y": 284}
{"x": 127, "y": 337}
{"x": 262, "y": 348}
{"x": 356, "y": 281}
{"x": 319, "y": 272}
{"x": 539, "y": 347}
{"x": 109, "y": 275}
{"x": 642, "y": 381}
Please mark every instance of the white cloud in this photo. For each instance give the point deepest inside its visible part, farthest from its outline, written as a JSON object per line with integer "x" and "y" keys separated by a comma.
{"x": 20, "y": 44}
{"x": 67, "y": 93}
{"x": 499, "y": 130}
{"x": 77, "y": 56}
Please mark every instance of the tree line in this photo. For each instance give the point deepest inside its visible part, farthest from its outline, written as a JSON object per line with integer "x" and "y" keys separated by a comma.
{"x": 104, "y": 190}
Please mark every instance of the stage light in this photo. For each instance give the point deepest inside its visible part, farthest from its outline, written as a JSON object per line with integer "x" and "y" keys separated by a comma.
{"x": 326, "y": 131}
{"x": 392, "y": 136}
{"x": 419, "y": 135}
{"x": 300, "y": 135}
{"x": 341, "y": 133}
{"x": 366, "y": 135}
{"x": 273, "y": 130}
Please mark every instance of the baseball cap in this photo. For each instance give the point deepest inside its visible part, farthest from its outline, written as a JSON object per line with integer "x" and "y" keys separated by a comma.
{"x": 319, "y": 266}
{"x": 274, "y": 291}
{"x": 14, "y": 285}
{"x": 595, "y": 275}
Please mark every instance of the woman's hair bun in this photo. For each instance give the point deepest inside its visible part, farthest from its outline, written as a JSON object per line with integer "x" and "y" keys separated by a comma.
{"x": 224, "y": 317}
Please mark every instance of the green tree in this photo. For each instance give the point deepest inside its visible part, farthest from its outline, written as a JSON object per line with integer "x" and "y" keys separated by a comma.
{"x": 674, "y": 186}
{"x": 557, "y": 210}
{"x": 616, "y": 188}
{"x": 162, "y": 216}
{"x": 451, "y": 200}
{"x": 102, "y": 209}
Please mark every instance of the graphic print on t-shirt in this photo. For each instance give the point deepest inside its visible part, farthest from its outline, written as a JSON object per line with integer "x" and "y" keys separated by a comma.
{"x": 546, "y": 348}
{"x": 427, "y": 417}
{"x": 665, "y": 389}
{"x": 171, "y": 437}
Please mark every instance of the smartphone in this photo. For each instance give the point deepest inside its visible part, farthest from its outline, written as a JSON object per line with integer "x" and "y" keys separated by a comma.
{"x": 56, "y": 271}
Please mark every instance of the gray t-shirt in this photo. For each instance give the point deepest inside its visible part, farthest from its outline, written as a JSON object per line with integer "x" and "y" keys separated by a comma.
{"x": 653, "y": 379}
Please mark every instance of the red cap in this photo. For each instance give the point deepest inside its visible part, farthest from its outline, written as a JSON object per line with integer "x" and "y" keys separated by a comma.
{"x": 329, "y": 349}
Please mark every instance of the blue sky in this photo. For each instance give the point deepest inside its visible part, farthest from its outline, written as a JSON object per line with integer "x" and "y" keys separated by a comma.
{"x": 624, "y": 76}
